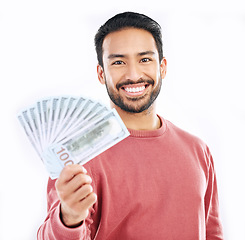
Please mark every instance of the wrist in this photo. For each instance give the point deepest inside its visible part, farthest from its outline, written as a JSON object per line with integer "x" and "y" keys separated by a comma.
{"x": 69, "y": 221}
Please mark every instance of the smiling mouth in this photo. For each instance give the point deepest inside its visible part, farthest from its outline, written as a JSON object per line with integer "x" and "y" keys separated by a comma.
{"x": 135, "y": 89}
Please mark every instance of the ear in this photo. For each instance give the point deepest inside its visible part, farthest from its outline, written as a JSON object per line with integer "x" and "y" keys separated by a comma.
{"x": 100, "y": 73}
{"x": 163, "y": 68}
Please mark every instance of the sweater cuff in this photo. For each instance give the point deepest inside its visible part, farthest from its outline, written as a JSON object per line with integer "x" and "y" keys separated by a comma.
{"x": 62, "y": 232}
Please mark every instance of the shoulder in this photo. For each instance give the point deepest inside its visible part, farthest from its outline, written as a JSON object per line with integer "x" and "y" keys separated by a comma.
{"x": 191, "y": 145}
{"x": 189, "y": 141}
{"x": 183, "y": 135}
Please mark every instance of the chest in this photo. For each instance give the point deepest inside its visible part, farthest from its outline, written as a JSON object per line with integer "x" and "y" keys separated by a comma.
{"x": 140, "y": 182}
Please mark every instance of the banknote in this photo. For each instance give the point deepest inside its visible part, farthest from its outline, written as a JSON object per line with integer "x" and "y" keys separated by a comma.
{"x": 70, "y": 130}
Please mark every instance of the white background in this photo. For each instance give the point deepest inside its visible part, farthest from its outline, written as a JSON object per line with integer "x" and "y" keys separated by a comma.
{"x": 46, "y": 49}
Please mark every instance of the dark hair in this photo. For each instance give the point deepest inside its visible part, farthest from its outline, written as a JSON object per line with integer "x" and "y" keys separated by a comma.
{"x": 128, "y": 20}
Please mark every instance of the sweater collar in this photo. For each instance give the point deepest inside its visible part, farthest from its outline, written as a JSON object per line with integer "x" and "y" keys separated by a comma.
{"x": 149, "y": 133}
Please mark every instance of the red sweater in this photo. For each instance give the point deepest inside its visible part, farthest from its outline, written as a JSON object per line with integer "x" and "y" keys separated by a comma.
{"x": 153, "y": 185}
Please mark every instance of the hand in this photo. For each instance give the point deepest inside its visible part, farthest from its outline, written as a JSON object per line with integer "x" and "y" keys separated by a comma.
{"x": 75, "y": 193}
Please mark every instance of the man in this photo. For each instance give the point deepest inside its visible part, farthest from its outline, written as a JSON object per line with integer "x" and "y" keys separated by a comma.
{"x": 159, "y": 183}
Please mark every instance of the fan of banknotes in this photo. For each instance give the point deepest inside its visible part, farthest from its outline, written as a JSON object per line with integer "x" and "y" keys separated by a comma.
{"x": 70, "y": 130}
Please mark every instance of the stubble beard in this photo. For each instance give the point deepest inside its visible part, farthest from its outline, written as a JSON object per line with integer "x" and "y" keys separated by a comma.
{"x": 137, "y": 104}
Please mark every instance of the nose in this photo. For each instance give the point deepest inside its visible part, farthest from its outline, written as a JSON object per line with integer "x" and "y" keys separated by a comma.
{"x": 133, "y": 72}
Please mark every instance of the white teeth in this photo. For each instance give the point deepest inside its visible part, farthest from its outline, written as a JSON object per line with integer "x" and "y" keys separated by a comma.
{"x": 134, "y": 90}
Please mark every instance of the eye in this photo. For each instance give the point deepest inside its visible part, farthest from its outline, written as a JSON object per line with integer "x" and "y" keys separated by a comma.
{"x": 118, "y": 62}
{"x": 144, "y": 60}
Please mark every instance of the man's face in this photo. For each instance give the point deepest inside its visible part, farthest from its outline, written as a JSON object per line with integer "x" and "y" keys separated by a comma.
{"x": 132, "y": 71}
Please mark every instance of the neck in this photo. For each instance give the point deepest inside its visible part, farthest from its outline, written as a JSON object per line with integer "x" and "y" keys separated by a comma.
{"x": 147, "y": 120}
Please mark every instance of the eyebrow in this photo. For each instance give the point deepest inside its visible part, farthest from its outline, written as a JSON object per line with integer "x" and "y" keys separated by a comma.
{"x": 111, "y": 56}
{"x": 146, "y": 53}
{"x": 116, "y": 56}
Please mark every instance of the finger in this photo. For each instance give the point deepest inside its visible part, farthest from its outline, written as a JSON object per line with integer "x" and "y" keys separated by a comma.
{"x": 82, "y": 192}
{"x": 70, "y": 171}
{"x": 77, "y": 182}
{"x": 89, "y": 201}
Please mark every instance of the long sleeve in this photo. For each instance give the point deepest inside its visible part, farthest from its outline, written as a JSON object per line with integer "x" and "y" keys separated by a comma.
{"x": 213, "y": 225}
{"x": 53, "y": 228}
